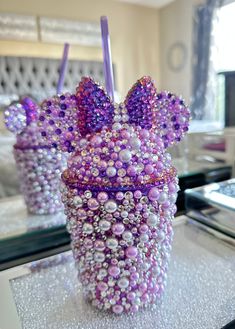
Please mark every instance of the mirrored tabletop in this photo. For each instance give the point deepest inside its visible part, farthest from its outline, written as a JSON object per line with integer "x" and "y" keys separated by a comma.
{"x": 23, "y": 234}
{"x": 187, "y": 167}
{"x": 199, "y": 294}
{"x": 16, "y": 221}
{"x": 214, "y": 205}
{"x": 220, "y": 194}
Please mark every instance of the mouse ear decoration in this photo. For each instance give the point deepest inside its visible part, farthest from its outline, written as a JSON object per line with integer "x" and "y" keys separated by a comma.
{"x": 96, "y": 110}
{"x": 140, "y": 102}
{"x": 171, "y": 118}
{"x": 18, "y": 115}
{"x": 58, "y": 122}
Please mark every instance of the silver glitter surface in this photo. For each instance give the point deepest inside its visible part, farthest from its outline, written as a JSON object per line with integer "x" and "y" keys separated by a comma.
{"x": 200, "y": 293}
{"x": 15, "y": 220}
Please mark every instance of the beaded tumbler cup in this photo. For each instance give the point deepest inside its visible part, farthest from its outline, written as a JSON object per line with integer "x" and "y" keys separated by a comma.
{"x": 119, "y": 192}
{"x": 39, "y": 166}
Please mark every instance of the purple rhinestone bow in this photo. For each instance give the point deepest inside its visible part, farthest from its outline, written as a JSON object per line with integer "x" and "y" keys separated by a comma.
{"x": 65, "y": 119}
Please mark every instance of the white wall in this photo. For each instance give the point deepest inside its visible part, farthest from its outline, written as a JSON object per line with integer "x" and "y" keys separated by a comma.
{"x": 176, "y": 25}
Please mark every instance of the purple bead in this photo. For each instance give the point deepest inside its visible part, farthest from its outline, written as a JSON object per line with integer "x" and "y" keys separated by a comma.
{"x": 153, "y": 194}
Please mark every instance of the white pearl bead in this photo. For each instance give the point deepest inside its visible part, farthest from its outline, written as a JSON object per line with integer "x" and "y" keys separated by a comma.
{"x": 82, "y": 142}
{"x": 173, "y": 197}
{"x": 111, "y": 171}
{"x": 137, "y": 301}
{"x": 127, "y": 236}
{"x": 124, "y": 214}
{"x": 102, "y": 272}
{"x": 112, "y": 243}
{"x": 99, "y": 257}
{"x": 152, "y": 220}
{"x": 125, "y": 155}
{"x": 104, "y": 225}
{"x": 135, "y": 143}
{"x": 110, "y": 206}
{"x": 123, "y": 283}
{"x": 162, "y": 197}
{"x": 77, "y": 201}
{"x": 144, "y": 237}
{"x": 87, "y": 228}
{"x": 116, "y": 126}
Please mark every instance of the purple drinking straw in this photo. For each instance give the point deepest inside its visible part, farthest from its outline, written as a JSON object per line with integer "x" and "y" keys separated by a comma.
{"x": 63, "y": 66}
{"x": 108, "y": 69}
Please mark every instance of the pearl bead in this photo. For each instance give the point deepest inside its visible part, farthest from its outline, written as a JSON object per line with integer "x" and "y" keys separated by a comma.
{"x": 116, "y": 126}
{"x": 96, "y": 140}
{"x": 104, "y": 225}
{"x": 77, "y": 200}
{"x": 114, "y": 271}
{"x": 135, "y": 143}
{"x": 93, "y": 204}
{"x": 112, "y": 243}
{"x": 99, "y": 257}
{"x": 149, "y": 169}
{"x": 87, "y": 228}
{"x": 123, "y": 283}
{"x": 144, "y": 133}
{"x": 111, "y": 171}
{"x": 127, "y": 236}
{"x": 131, "y": 296}
{"x": 102, "y": 197}
{"x": 110, "y": 206}
{"x": 119, "y": 196}
{"x": 124, "y": 214}
{"x": 117, "y": 309}
{"x": 143, "y": 228}
{"x": 99, "y": 245}
{"x": 131, "y": 252}
{"x": 162, "y": 197}
{"x": 134, "y": 308}
{"x": 118, "y": 228}
{"x": 160, "y": 236}
{"x": 81, "y": 213}
{"x": 131, "y": 171}
{"x": 144, "y": 237}
{"x": 137, "y": 194}
{"x": 152, "y": 220}
{"x": 153, "y": 194}
{"x": 102, "y": 286}
{"x": 125, "y": 155}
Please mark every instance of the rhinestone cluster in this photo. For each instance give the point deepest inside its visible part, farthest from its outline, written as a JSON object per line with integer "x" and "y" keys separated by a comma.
{"x": 170, "y": 118}
{"x": 58, "y": 122}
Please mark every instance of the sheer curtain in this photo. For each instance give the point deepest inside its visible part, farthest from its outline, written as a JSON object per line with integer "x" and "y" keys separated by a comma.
{"x": 203, "y": 105}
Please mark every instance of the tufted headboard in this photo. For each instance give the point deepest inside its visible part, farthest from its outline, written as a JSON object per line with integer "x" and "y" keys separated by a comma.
{"x": 38, "y": 76}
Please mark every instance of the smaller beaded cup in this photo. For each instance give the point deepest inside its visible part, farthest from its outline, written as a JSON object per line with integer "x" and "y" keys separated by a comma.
{"x": 39, "y": 165}
{"x": 119, "y": 189}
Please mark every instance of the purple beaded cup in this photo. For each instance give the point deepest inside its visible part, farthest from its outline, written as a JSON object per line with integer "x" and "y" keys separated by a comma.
{"x": 39, "y": 166}
{"x": 119, "y": 191}
{"x": 119, "y": 211}
{"x": 39, "y": 170}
